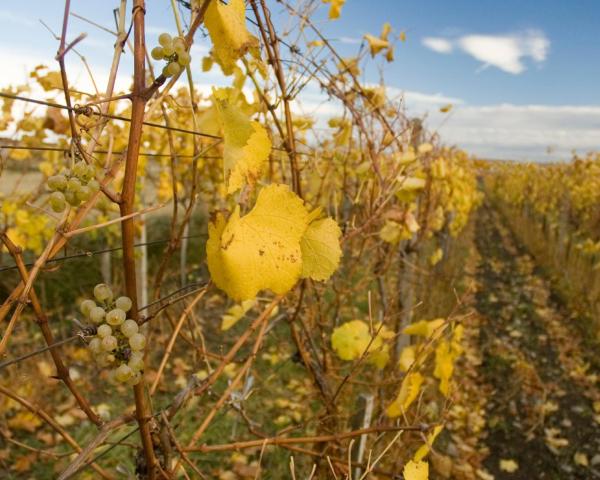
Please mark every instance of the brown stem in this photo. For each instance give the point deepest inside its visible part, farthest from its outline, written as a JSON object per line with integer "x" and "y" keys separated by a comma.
{"x": 139, "y": 98}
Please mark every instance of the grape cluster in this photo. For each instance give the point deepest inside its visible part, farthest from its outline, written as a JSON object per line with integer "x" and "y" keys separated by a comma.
{"x": 72, "y": 186}
{"x": 171, "y": 49}
{"x": 117, "y": 343}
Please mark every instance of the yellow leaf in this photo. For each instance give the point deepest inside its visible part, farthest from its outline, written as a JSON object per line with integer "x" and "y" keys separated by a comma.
{"x": 435, "y": 257}
{"x": 226, "y": 24}
{"x": 376, "y": 44}
{"x": 25, "y": 421}
{"x": 321, "y": 250}
{"x": 509, "y": 466}
{"x": 407, "y": 358}
{"x": 402, "y": 36}
{"x": 422, "y": 452}
{"x": 260, "y": 250}
{"x": 425, "y": 148}
{"x": 246, "y": 143}
{"x": 444, "y": 366}
{"x": 581, "y": 459}
{"x": 446, "y": 108}
{"x": 416, "y": 471}
{"x": 385, "y": 31}
{"x": 409, "y": 390}
{"x": 424, "y": 328}
{"x": 351, "y": 339}
{"x": 336, "y": 8}
{"x": 235, "y": 314}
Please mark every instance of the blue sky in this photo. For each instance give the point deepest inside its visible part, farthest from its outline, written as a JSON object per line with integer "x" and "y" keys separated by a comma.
{"x": 522, "y": 74}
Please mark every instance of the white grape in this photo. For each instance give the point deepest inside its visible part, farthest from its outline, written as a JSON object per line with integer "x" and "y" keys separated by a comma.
{"x": 57, "y": 202}
{"x": 57, "y": 182}
{"x": 80, "y": 169}
{"x": 95, "y": 345}
{"x": 103, "y": 292}
{"x": 136, "y": 363}
{"x": 109, "y": 343}
{"x": 115, "y": 317}
{"x": 173, "y": 69}
{"x": 93, "y": 185}
{"x": 135, "y": 379}
{"x": 97, "y": 314}
{"x": 104, "y": 330}
{"x": 129, "y": 328}
{"x": 71, "y": 197}
{"x": 137, "y": 341}
{"x": 165, "y": 39}
{"x": 123, "y": 373}
{"x": 84, "y": 193}
{"x": 86, "y": 306}
{"x": 184, "y": 59}
{"x": 157, "y": 53}
{"x": 73, "y": 184}
{"x": 124, "y": 303}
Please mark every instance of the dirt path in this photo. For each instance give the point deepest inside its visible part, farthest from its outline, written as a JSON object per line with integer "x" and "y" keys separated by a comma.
{"x": 540, "y": 412}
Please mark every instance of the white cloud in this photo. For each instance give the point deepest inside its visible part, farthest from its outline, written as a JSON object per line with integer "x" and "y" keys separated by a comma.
{"x": 521, "y": 132}
{"x": 437, "y": 44}
{"x": 506, "y": 52}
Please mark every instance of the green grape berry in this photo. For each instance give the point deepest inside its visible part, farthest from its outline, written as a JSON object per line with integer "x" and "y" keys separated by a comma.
{"x": 80, "y": 169}
{"x": 103, "y": 292}
{"x": 179, "y": 43}
{"x": 157, "y": 53}
{"x": 57, "y": 202}
{"x": 184, "y": 59}
{"x": 137, "y": 341}
{"x": 86, "y": 306}
{"x": 57, "y": 182}
{"x": 71, "y": 198}
{"x": 168, "y": 51}
{"x": 97, "y": 314}
{"x": 84, "y": 193}
{"x": 109, "y": 343}
{"x": 104, "y": 331}
{"x": 124, "y": 303}
{"x": 173, "y": 69}
{"x": 115, "y": 317}
{"x": 129, "y": 328}
{"x": 73, "y": 184}
{"x": 165, "y": 39}
{"x": 93, "y": 185}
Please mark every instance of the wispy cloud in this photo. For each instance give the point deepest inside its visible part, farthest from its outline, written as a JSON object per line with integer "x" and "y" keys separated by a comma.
{"x": 507, "y": 52}
{"x": 437, "y": 44}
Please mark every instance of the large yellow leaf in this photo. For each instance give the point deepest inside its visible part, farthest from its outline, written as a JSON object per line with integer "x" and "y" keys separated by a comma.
{"x": 321, "y": 250}
{"x": 409, "y": 390}
{"x": 260, "y": 250}
{"x": 416, "y": 471}
{"x": 246, "y": 143}
{"x": 226, "y": 24}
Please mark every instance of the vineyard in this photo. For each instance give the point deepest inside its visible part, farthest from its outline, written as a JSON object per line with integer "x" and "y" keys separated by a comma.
{"x": 207, "y": 280}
